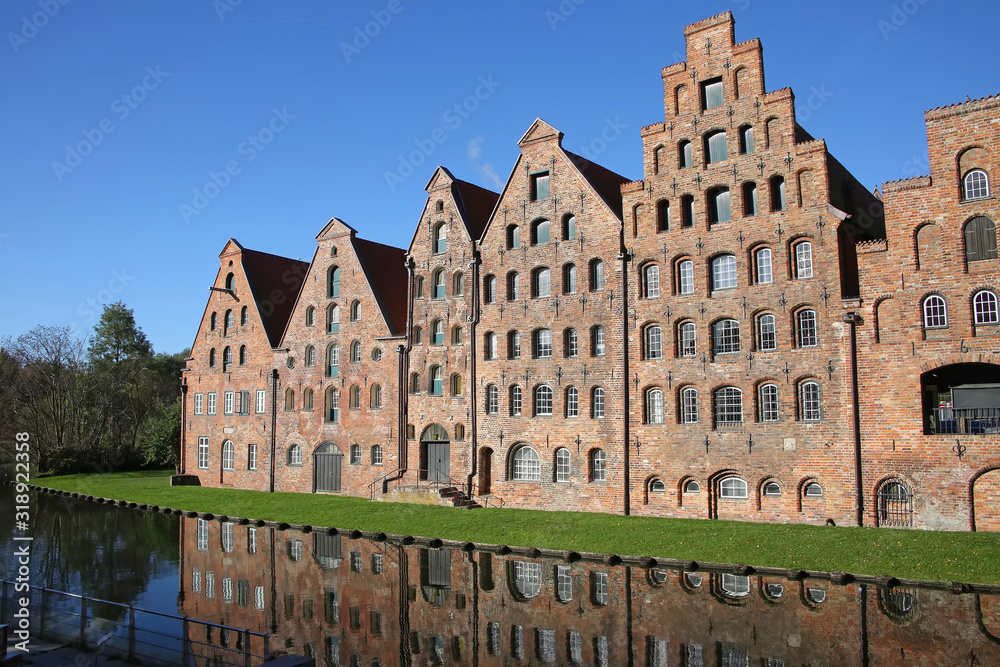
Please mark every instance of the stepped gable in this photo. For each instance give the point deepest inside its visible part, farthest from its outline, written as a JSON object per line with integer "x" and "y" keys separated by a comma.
{"x": 275, "y": 282}
{"x": 385, "y": 268}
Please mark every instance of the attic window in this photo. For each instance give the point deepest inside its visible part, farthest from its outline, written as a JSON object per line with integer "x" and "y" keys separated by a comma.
{"x": 230, "y": 282}
{"x": 540, "y": 186}
{"x": 333, "y": 251}
{"x": 711, "y": 93}
{"x": 439, "y": 206}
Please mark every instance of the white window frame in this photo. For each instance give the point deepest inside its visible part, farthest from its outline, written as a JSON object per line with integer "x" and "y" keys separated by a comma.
{"x": 767, "y": 332}
{"x": 599, "y": 344}
{"x": 261, "y": 401}
{"x": 516, "y": 398}
{"x": 211, "y": 402}
{"x": 228, "y": 456}
{"x": 769, "y": 405}
{"x": 689, "y": 405}
{"x": 598, "y": 465}
{"x": 199, "y": 403}
{"x": 654, "y": 342}
{"x": 807, "y": 328}
{"x": 252, "y": 457}
{"x": 492, "y": 399}
{"x": 935, "y": 310}
{"x": 654, "y": 406}
{"x": 986, "y": 308}
{"x": 724, "y": 273}
{"x": 652, "y": 276}
{"x": 597, "y": 397}
{"x": 543, "y": 344}
{"x": 526, "y": 466}
{"x": 803, "y": 260}
{"x": 728, "y": 406}
{"x": 203, "y": 452}
{"x": 228, "y": 398}
{"x": 685, "y": 276}
{"x": 763, "y": 266}
{"x": 975, "y": 188}
{"x": 562, "y": 466}
{"x": 726, "y": 336}
{"x": 572, "y": 402}
{"x": 543, "y": 401}
{"x": 810, "y": 401}
{"x": 733, "y": 487}
{"x": 688, "y": 339}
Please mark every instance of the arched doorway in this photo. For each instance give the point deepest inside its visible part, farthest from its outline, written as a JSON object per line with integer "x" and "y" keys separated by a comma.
{"x": 986, "y": 501}
{"x": 328, "y": 462}
{"x": 435, "y": 454}
{"x": 961, "y": 399}
{"x": 485, "y": 471}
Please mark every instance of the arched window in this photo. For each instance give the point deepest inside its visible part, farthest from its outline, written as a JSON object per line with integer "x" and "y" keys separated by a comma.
{"x": 513, "y": 237}
{"x": 243, "y": 355}
{"x": 651, "y": 275}
{"x": 415, "y": 383}
{"x": 654, "y": 342}
{"x": 657, "y": 486}
{"x": 597, "y": 341}
{"x": 515, "y": 400}
{"x": 724, "y": 272}
{"x": 437, "y": 332}
{"x": 244, "y": 316}
{"x": 214, "y": 322}
{"x": 458, "y": 283}
{"x": 307, "y": 399}
{"x": 332, "y": 412}
{"x": 228, "y": 455}
{"x": 767, "y": 338}
{"x": 684, "y": 156}
{"x": 456, "y": 335}
{"x": 763, "y": 273}
{"x": 597, "y": 403}
{"x": 227, "y": 358}
{"x": 768, "y": 402}
{"x": 527, "y": 579}
{"x": 654, "y": 406}
{"x": 333, "y": 282}
{"x": 514, "y": 345}
{"x": 976, "y": 185}
{"x": 806, "y": 334}
{"x": 715, "y": 147}
{"x": 571, "y": 342}
{"x": 526, "y": 466}
{"x": 777, "y": 193}
{"x": 543, "y": 344}
{"x": 689, "y": 405}
{"x": 211, "y": 358}
{"x": 810, "y": 408}
{"x": 230, "y": 282}
{"x": 440, "y": 238}
{"x": 295, "y": 455}
{"x": 438, "y": 284}
{"x": 771, "y": 489}
{"x": 569, "y": 227}
{"x": 230, "y": 322}
{"x": 812, "y": 490}
{"x": 355, "y": 455}
{"x": 490, "y": 289}
{"x": 543, "y": 401}
{"x": 377, "y": 455}
{"x": 980, "y": 239}
{"x": 935, "y": 312}
{"x": 746, "y": 140}
{"x": 691, "y": 486}
{"x": 332, "y": 361}
{"x": 562, "y": 467}
{"x": 803, "y": 260}
{"x": 419, "y": 289}
{"x": 355, "y": 352}
{"x": 726, "y": 337}
{"x": 289, "y": 399}
{"x": 456, "y": 384}
{"x": 354, "y": 397}
{"x": 662, "y": 215}
{"x": 490, "y": 346}
{"x": 728, "y": 406}
{"x": 750, "y": 199}
{"x": 436, "y": 381}
{"x": 418, "y": 335}
{"x": 596, "y": 275}
{"x": 598, "y": 466}
{"x": 492, "y": 399}
{"x": 569, "y": 279}
{"x": 355, "y": 310}
{"x": 735, "y": 585}
{"x": 333, "y": 318}
{"x": 984, "y": 307}
{"x": 513, "y": 286}
{"x": 540, "y": 232}
{"x": 687, "y": 339}
{"x": 732, "y": 487}
{"x": 572, "y": 402}
{"x": 894, "y": 504}
{"x": 310, "y": 356}
{"x": 685, "y": 276}
{"x": 310, "y": 316}
{"x": 375, "y": 397}
{"x": 541, "y": 283}
{"x": 687, "y": 211}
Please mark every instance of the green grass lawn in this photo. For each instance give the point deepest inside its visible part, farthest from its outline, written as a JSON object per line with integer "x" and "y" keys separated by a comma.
{"x": 934, "y": 556}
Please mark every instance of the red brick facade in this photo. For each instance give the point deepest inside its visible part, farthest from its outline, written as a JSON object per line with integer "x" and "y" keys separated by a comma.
{"x": 715, "y": 340}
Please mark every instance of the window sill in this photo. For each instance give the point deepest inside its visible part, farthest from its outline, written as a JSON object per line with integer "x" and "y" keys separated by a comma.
{"x": 976, "y": 199}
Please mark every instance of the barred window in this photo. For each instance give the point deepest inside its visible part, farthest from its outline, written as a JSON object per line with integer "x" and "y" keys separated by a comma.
{"x": 935, "y": 312}
{"x": 768, "y": 402}
{"x": 543, "y": 401}
{"x": 688, "y": 339}
{"x": 726, "y": 336}
{"x": 724, "y": 272}
{"x": 728, "y": 406}
{"x": 806, "y": 325}
{"x": 527, "y": 578}
{"x": 809, "y": 401}
{"x": 654, "y": 406}
{"x": 654, "y": 342}
{"x": 984, "y": 306}
{"x": 564, "y": 582}
{"x": 527, "y": 466}
{"x": 689, "y": 405}
{"x": 599, "y": 591}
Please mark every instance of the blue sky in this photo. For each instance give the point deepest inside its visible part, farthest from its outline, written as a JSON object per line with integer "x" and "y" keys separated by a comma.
{"x": 140, "y": 136}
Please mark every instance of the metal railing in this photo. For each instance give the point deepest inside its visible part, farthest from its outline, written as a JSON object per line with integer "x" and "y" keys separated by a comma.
{"x": 965, "y": 421}
{"x": 114, "y": 629}
{"x": 421, "y": 482}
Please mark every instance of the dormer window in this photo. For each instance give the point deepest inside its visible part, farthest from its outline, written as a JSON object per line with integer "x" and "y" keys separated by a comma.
{"x": 540, "y": 186}
{"x": 711, "y": 93}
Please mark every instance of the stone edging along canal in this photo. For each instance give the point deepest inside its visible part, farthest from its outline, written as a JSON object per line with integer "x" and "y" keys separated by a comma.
{"x": 646, "y": 562}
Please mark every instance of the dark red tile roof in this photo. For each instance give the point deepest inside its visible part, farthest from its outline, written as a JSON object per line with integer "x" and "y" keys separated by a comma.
{"x": 385, "y": 267}
{"x": 275, "y": 283}
{"x": 604, "y": 181}
{"x": 476, "y": 205}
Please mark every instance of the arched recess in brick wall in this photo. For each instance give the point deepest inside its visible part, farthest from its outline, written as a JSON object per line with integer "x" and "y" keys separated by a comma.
{"x": 986, "y": 501}
{"x": 740, "y": 79}
{"x": 886, "y": 320}
{"x": 927, "y": 245}
{"x": 971, "y": 157}
{"x": 805, "y": 187}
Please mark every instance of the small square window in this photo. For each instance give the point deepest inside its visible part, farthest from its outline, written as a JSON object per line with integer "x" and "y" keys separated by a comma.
{"x": 540, "y": 186}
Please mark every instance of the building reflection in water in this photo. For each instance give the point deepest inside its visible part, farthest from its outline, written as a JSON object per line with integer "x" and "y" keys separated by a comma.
{"x": 364, "y": 602}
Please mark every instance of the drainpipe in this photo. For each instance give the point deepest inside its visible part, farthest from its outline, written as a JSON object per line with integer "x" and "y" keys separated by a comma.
{"x": 403, "y": 361}
{"x": 184, "y": 404}
{"x": 852, "y": 318}
{"x": 625, "y": 256}
{"x": 473, "y": 337}
{"x": 274, "y": 423}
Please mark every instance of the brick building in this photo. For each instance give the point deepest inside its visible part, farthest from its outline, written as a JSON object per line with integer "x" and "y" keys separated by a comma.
{"x": 714, "y": 340}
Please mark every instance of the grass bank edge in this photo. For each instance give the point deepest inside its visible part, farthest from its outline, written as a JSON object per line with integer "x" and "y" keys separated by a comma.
{"x": 909, "y": 554}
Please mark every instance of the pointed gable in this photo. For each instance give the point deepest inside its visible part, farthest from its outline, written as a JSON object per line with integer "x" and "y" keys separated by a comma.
{"x": 476, "y": 205}
{"x": 605, "y": 182}
{"x": 385, "y": 270}
{"x": 540, "y": 131}
{"x": 275, "y": 283}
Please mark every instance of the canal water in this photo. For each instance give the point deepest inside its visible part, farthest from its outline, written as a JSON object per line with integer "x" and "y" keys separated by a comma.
{"x": 367, "y": 602}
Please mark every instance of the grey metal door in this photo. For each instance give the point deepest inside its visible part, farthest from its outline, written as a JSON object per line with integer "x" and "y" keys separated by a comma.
{"x": 438, "y": 461}
{"x": 328, "y": 471}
